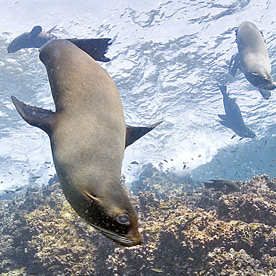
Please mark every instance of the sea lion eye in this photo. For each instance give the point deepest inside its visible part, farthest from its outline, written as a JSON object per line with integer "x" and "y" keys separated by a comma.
{"x": 123, "y": 219}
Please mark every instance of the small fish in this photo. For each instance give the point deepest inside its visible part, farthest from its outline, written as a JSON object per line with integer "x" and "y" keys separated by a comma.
{"x": 247, "y": 240}
{"x": 36, "y": 177}
{"x": 157, "y": 270}
{"x": 222, "y": 185}
{"x": 56, "y": 184}
{"x": 53, "y": 267}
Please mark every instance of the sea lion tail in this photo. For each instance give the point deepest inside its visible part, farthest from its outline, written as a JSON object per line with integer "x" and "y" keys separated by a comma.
{"x": 223, "y": 90}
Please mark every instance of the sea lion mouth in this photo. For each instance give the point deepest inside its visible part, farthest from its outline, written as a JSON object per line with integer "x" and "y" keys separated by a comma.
{"x": 121, "y": 239}
{"x": 266, "y": 86}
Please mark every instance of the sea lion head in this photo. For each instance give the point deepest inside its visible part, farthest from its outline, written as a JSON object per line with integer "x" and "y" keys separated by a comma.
{"x": 114, "y": 217}
{"x": 248, "y": 133}
{"x": 261, "y": 79}
{"x": 104, "y": 204}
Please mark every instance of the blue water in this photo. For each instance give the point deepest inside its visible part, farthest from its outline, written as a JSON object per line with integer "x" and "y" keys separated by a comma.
{"x": 166, "y": 59}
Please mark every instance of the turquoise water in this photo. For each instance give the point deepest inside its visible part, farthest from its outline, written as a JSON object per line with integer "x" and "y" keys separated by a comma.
{"x": 166, "y": 59}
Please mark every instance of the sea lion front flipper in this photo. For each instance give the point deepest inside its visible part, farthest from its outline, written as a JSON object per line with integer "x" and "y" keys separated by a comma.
{"x": 39, "y": 117}
{"x": 226, "y": 123}
{"x": 234, "y": 64}
{"x": 95, "y": 47}
{"x": 265, "y": 93}
{"x": 222, "y": 117}
{"x": 134, "y": 133}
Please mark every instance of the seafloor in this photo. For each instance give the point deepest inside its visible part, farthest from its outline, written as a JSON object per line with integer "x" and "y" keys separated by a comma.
{"x": 187, "y": 231}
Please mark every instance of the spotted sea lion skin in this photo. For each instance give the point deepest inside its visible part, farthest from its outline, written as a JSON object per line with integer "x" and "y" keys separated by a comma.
{"x": 88, "y": 137}
{"x": 252, "y": 58}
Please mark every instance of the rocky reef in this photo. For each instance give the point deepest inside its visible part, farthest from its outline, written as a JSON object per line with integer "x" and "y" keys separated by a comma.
{"x": 187, "y": 231}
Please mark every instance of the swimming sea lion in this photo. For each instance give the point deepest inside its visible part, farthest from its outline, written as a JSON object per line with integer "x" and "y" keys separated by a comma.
{"x": 95, "y": 47}
{"x": 252, "y": 58}
{"x": 233, "y": 117}
{"x": 88, "y": 137}
{"x": 34, "y": 39}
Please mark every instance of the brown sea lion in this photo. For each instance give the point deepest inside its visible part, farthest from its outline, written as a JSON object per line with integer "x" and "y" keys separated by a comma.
{"x": 88, "y": 137}
{"x": 252, "y": 58}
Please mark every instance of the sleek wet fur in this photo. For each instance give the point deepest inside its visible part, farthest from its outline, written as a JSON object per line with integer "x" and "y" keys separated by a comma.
{"x": 233, "y": 117}
{"x": 88, "y": 138}
{"x": 252, "y": 58}
{"x": 95, "y": 47}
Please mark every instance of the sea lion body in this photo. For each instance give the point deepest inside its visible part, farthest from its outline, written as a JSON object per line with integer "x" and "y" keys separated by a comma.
{"x": 252, "y": 58}
{"x": 88, "y": 138}
{"x": 95, "y": 47}
{"x": 233, "y": 117}
{"x": 34, "y": 39}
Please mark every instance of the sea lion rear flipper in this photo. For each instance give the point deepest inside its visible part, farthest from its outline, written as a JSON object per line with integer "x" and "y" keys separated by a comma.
{"x": 223, "y": 90}
{"x": 95, "y": 47}
{"x": 226, "y": 123}
{"x": 265, "y": 93}
{"x": 134, "y": 133}
{"x": 234, "y": 64}
{"x": 42, "y": 118}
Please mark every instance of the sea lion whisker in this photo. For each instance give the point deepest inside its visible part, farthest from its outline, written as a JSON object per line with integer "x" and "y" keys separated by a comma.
{"x": 93, "y": 197}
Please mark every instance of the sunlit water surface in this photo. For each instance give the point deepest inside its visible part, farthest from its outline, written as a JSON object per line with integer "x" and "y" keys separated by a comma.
{"x": 167, "y": 58}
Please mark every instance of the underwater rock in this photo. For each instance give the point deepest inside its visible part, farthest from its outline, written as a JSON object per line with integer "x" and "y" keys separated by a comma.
{"x": 42, "y": 235}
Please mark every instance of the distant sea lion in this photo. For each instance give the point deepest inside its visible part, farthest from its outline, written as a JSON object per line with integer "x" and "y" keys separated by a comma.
{"x": 252, "y": 58}
{"x": 233, "y": 117}
{"x": 88, "y": 137}
{"x": 95, "y": 47}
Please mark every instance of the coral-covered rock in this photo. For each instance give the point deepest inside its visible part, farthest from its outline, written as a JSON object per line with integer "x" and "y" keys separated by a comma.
{"x": 222, "y": 234}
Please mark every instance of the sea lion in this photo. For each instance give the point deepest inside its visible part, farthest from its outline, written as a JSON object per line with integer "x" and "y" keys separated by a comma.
{"x": 95, "y": 47}
{"x": 252, "y": 58}
{"x": 233, "y": 117}
{"x": 88, "y": 137}
{"x": 33, "y": 39}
